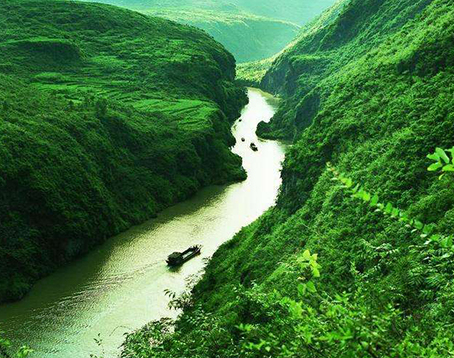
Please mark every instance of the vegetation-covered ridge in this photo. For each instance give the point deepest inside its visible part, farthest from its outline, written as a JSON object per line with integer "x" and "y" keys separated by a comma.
{"x": 253, "y": 73}
{"x": 248, "y": 37}
{"x": 324, "y": 274}
{"x": 107, "y": 117}
{"x": 251, "y": 30}
{"x": 296, "y": 11}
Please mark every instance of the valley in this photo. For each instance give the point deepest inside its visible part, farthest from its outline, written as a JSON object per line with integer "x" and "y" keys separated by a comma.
{"x": 120, "y": 285}
{"x": 322, "y": 197}
{"x": 250, "y": 30}
{"x": 97, "y": 109}
{"x": 352, "y": 263}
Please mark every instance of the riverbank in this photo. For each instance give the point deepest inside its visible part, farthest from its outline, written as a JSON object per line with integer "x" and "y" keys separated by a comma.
{"x": 102, "y": 128}
{"x": 119, "y": 287}
{"x": 356, "y": 258}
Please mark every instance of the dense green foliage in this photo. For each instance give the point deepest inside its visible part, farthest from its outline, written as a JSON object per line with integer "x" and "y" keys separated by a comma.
{"x": 372, "y": 93}
{"x": 107, "y": 117}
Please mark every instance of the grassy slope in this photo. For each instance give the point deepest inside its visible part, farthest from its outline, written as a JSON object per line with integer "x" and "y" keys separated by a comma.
{"x": 108, "y": 116}
{"x": 247, "y": 37}
{"x": 371, "y": 93}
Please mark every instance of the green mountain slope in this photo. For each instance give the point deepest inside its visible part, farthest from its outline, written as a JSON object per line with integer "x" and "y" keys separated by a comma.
{"x": 253, "y": 73}
{"x": 250, "y": 30}
{"x": 107, "y": 117}
{"x": 372, "y": 94}
{"x": 247, "y": 37}
{"x": 296, "y": 11}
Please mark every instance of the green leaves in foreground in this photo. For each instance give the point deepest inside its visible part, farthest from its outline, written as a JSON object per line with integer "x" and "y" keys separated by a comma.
{"x": 5, "y": 345}
{"x": 316, "y": 323}
{"x": 425, "y": 230}
{"x": 443, "y": 161}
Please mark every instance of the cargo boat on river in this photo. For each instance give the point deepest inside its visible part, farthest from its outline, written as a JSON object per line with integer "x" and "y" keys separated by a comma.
{"x": 179, "y": 258}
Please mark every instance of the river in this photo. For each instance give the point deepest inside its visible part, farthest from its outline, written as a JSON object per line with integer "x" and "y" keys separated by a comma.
{"x": 119, "y": 286}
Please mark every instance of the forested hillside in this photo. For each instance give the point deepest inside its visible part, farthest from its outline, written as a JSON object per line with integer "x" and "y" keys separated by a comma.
{"x": 107, "y": 117}
{"x": 247, "y": 37}
{"x": 296, "y": 11}
{"x": 251, "y": 30}
{"x": 252, "y": 73}
{"x": 356, "y": 259}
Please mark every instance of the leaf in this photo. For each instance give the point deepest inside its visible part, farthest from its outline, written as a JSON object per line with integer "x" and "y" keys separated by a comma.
{"x": 452, "y": 153}
{"x": 434, "y": 167}
{"x": 374, "y": 200}
{"x": 311, "y": 287}
{"x": 447, "y": 242}
{"x": 395, "y": 212}
{"x": 295, "y": 309}
{"x": 307, "y": 255}
{"x": 434, "y": 157}
{"x": 315, "y": 272}
{"x": 404, "y": 217}
{"x": 302, "y": 289}
{"x": 448, "y": 168}
{"x": 366, "y": 196}
{"x": 428, "y": 229}
{"x": 419, "y": 225}
{"x": 441, "y": 152}
{"x": 389, "y": 208}
{"x": 357, "y": 195}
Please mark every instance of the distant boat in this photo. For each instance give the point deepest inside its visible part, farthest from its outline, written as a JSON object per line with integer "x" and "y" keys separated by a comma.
{"x": 179, "y": 258}
{"x": 254, "y": 147}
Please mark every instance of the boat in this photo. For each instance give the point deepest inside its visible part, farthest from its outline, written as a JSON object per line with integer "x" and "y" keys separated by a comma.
{"x": 254, "y": 147}
{"x": 179, "y": 258}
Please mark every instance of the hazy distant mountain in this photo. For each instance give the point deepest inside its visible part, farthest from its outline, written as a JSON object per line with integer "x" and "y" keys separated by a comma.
{"x": 247, "y": 37}
{"x": 250, "y": 29}
{"x": 297, "y": 11}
